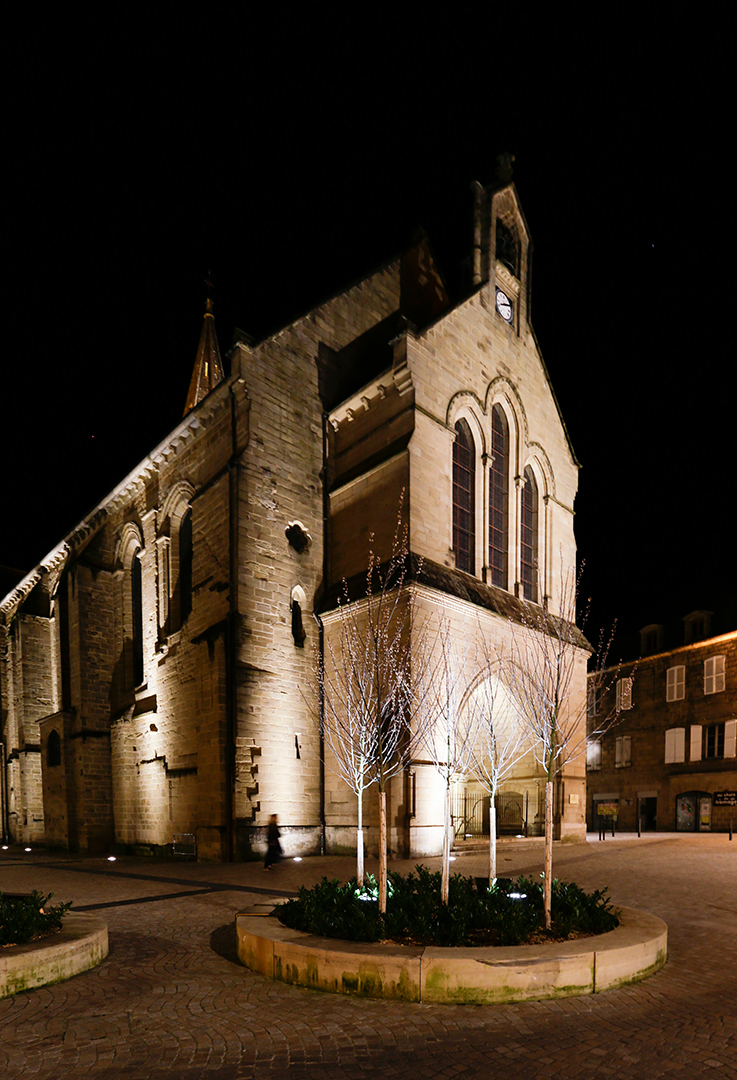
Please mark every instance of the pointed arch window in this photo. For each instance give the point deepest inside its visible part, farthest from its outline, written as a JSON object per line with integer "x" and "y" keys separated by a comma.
{"x": 528, "y": 536}
{"x": 185, "y": 567}
{"x": 128, "y": 559}
{"x": 53, "y": 749}
{"x": 499, "y": 498}
{"x": 137, "y": 610}
{"x": 507, "y": 246}
{"x": 175, "y": 548}
{"x": 464, "y": 501}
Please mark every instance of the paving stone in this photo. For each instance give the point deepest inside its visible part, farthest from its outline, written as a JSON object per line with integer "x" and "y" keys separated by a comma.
{"x": 171, "y": 1000}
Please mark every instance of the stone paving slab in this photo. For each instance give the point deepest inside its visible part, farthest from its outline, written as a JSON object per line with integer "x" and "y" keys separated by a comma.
{"x": 171, "y": 1000}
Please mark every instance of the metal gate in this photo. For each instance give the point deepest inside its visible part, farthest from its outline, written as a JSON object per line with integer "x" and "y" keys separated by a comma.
{"x": 516, "y": 814}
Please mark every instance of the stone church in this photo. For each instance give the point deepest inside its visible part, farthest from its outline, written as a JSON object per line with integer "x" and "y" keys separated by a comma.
{"x": 154, "y": 668}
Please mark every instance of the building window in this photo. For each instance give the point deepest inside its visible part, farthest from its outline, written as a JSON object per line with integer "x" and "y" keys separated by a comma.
{"x": 53, "y": 749}
{"x": 137, "y": 610}
{"x": 296, "y": 602}
{"x": 675, "y": 745}
{"x": 499, "y": 498}
{"x": 623, "y": 751}
{"x": 624, "y": 694}
{"x": 713, "y": 741}
{"x": 675, "y": 683}
{"x": 507, "y": 247}
{"x": 464, "y": 502}
{"x": 128, "y": 558}
{"x": 593, "y": 700}
{"x": 593, "y": 755}
{"x": 697, "y": 626}
{"x": 528, "y": 536}
{"x": 651, "y": 639}
{"x": 714, "y": 675}
{"x": 185, "y": 567}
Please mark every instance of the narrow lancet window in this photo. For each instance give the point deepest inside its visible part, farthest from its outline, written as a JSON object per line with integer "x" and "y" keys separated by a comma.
{"x": 185, "y": 567}
{"x": 528, "y": 536}
{"x": 137, "y": 608}
{"x": 499, "y": 498}
{"x": 464, "y": 503}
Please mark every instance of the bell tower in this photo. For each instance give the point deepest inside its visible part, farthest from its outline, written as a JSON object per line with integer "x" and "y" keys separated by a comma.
{"x": 502, "y": 248}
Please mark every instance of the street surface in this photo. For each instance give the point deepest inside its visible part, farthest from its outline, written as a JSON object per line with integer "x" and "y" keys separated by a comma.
{"x": 172, "y": 1001}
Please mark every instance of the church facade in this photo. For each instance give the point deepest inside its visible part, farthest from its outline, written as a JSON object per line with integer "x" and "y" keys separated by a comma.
{"x": 155, "y": 669}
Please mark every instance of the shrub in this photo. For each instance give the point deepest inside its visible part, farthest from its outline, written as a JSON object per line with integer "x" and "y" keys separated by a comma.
{"x": 23, "y": 918}
{"x": 509, "y": 913}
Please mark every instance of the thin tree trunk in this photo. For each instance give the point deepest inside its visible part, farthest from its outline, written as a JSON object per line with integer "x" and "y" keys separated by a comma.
{"x": 492, "y": 841}
{"x": 382, "y": 852}
{"x": 359, "y": 841}
{"x": 444, "y": 889}
{"x": 548, "y": 880}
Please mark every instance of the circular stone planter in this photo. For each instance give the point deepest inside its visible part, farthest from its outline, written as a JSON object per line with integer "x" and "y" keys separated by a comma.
{"x": 636, "y": 949}
{"x": 79, "y": 945}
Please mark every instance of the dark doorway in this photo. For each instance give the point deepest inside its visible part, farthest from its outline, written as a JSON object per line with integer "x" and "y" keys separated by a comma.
{"x": 649, "y": 814}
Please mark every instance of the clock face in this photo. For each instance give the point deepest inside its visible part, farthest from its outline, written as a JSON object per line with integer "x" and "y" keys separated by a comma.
{"x": 504, "y": 305}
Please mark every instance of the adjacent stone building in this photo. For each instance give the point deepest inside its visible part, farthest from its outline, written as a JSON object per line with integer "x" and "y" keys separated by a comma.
{"x": 155, "y": 668}
{"x": 671, "y": 761}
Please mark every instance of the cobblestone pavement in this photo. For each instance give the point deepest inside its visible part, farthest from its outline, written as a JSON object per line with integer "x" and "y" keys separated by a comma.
{"x": 172, "y": 1001}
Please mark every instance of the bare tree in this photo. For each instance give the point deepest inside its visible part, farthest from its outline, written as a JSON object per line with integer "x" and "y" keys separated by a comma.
{"x": 442, "y": 722}
{"x": 501, "y": 739}
{"x": 366, "y": 690}
{"x": 547, "y": 654}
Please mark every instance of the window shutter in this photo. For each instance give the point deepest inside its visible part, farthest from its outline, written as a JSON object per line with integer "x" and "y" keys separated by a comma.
{"x": 696, "y": 739}
{"x": 593, "y": 754}
{"x": 730, "y": 738}
{"x": 618, "y": 754}
{"x": 624, "y": 694}
{"x": 675, "y": 745}
{"x": 714, "y": 681}
{"x": 626, "y": 749}
{"x": 680, "y": 744}
{"x": 675, "y": 683}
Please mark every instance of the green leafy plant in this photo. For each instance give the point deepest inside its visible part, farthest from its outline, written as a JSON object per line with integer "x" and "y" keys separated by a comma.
{"x": 510, "y": 912}
{"x": 26, "y": 917}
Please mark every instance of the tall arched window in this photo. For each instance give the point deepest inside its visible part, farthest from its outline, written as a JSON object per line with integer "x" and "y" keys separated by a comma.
{"x": 137, "y": 609}
{"x": 185, "y": 567}
{"x": 507, "y": 246}
{"x": 175, "y": 554}
{"x": 499, "y": 498}
{"x": 528, "y": 536}
{"x": 128, "y": 559}
{"x": 53, "y": 748}
{"x": 464, "y": 502}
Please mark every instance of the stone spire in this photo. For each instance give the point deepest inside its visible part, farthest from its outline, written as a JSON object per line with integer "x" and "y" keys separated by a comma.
{"x": 208, "y": 367}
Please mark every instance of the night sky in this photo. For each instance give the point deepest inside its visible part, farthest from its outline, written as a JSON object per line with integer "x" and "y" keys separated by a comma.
{"x": 290, "y": 157}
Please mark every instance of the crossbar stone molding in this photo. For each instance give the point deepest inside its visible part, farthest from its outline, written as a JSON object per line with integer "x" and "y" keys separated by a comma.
{"x": 475, "y": 976}
{"x": 81, "y": 944}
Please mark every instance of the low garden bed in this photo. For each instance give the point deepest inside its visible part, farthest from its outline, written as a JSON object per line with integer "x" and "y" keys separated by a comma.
{"x": 508, "y": 913}
{"x": 28, "y": 917}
